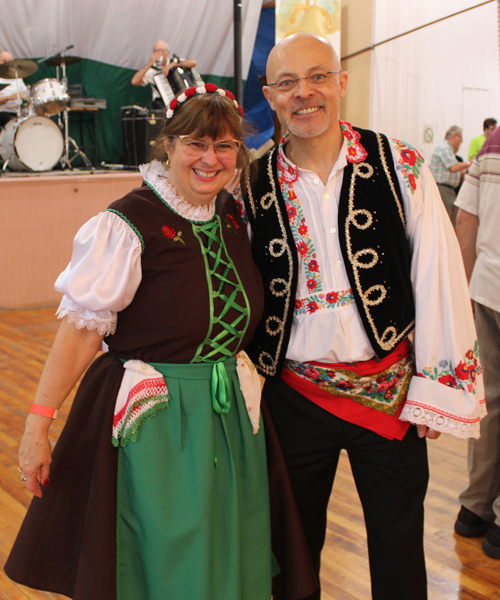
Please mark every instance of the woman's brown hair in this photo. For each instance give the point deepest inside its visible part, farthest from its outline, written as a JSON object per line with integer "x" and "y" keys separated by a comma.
{"x": 210, "y": 115}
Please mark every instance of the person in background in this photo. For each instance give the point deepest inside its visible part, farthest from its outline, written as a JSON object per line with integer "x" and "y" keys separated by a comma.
{"x": 357, "y": 254}
{"x": 446, "y": 168}
{"x": 11, "y": 94}
{"x": 476, "y": 143}
{"x": 478, "y": 227}
{"x": 158, "y": 63}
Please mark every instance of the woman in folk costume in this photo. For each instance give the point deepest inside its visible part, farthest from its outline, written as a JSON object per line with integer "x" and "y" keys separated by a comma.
{"x": 158, "y": 485}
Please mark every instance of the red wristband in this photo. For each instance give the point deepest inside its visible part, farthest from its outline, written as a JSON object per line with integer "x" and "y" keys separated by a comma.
{"x": 44, "y": 411}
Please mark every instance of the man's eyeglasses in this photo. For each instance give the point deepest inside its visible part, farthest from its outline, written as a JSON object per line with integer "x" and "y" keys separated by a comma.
{"x": 196, "y": 146}
{"x": 317, "y": 80}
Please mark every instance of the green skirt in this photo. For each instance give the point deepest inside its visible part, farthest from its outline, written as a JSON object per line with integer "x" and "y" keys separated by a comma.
{"x": 193, "y": 503}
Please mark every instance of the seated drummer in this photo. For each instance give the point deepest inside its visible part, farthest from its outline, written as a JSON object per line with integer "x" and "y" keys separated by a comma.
{"x": 9, "y": 100}
{"x": 152, "y": 68}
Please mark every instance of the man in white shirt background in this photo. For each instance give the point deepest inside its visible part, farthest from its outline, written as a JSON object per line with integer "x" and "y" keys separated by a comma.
{"x": 478, "y": 224}
{"x": 158, "y": 63}
{"x": 10, "y": 95}
{"x": 357, "y": 255}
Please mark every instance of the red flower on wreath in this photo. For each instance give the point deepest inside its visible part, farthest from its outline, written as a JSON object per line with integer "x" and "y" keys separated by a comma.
{"x": 190, "y": 92}
{"x": 448, "y": 380}
{"x": 174, "y": 103}
{"x": 230, "y": 95}
{"x": 210, "y": 87}
{"x": 168, "y": 231}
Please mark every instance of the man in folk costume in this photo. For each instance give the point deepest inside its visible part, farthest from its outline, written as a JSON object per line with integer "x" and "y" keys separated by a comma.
{"x": 367, "y": 341}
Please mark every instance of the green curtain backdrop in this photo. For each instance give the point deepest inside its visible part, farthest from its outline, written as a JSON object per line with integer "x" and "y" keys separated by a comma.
{"x": 102, "y": 80}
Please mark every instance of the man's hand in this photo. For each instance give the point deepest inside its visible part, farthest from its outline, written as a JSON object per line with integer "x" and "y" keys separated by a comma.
{"x": 424, "y": 431}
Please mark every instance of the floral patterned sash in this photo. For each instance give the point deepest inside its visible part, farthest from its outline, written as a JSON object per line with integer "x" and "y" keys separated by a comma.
{"x": 381, "y": 384}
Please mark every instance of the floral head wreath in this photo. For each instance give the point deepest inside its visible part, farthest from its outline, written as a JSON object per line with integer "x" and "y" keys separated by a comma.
{"x": 208, "y": 88}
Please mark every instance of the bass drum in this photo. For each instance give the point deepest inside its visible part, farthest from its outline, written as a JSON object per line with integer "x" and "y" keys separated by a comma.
{"x": 31, "y": 144}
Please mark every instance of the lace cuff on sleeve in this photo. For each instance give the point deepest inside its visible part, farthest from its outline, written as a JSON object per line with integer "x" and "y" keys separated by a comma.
{"x": 103, "y": 320}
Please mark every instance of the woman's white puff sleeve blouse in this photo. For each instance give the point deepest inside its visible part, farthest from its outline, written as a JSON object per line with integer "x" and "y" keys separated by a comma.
{"x": 103, "y": 275}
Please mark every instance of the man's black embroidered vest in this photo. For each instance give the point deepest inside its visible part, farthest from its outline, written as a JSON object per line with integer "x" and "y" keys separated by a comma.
{"x": 374, "y": 247}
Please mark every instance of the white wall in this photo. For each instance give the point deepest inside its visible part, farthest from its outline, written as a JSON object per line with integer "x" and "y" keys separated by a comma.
{"x": 442, "y": 75}
{"x": 123, "y": 32}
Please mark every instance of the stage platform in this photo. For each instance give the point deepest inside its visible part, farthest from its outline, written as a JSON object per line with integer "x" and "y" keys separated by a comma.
{"x": 40, "y": 214}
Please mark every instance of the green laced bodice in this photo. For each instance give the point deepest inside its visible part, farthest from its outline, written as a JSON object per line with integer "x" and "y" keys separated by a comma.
{"x": 224, "y": 283}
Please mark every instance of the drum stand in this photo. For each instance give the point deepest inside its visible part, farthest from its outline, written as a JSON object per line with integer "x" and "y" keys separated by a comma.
{"x": 18, "y": 113}
{"x": 77, "y": 151}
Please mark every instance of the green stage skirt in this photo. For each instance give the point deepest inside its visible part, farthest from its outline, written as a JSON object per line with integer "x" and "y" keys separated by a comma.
{"x": 193, "y": 503}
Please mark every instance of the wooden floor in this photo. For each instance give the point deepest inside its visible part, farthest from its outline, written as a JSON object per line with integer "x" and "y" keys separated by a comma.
{"x": 457, "y": 567}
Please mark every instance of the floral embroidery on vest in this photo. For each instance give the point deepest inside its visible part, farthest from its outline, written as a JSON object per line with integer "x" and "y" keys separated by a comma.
{"x": 461, "y": 377}
{"x": 409, "y": 163}
{"x": 287, "y": 175}
{"x": 355, "y": 151}
{"x": 170, "y": 233}
{"x": 231, "y": 223}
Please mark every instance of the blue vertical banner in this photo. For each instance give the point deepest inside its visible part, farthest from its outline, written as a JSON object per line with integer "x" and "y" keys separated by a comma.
{"x": 257, "y": 109}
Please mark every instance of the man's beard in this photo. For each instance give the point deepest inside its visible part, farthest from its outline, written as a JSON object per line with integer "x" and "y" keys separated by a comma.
{"x": 308, "y": 130}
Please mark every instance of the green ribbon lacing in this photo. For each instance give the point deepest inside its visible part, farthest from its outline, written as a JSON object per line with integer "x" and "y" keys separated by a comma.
{"x": 214, "y": 251}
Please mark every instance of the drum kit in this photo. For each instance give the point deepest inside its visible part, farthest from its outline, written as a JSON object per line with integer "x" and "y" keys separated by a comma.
{"x": 32, "y": 141}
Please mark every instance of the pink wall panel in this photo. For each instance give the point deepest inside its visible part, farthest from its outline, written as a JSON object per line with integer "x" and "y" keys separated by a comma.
{"x": 39, "y": 217}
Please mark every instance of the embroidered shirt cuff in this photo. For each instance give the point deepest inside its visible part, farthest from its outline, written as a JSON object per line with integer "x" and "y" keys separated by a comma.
{"x": 443, "y": 408}
{"x": 103, "y": 320}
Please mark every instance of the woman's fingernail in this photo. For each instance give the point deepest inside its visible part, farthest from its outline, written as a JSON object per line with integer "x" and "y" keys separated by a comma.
{"x": 45, "y": 483}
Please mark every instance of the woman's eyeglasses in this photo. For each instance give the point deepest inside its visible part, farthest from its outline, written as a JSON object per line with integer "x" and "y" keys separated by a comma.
{"x": 196, "y": 146}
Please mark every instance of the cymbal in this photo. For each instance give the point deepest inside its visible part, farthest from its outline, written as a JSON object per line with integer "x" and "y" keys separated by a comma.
{"x": 58, "y": 60}
{"x": 23, "y": 67}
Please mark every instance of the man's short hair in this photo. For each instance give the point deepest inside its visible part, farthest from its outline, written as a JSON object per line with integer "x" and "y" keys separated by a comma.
{"x": 488, "y": 123}
{"x": 452, "y": 131}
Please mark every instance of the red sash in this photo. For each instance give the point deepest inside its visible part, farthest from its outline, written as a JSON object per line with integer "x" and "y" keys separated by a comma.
{"x": 344, "y": 407}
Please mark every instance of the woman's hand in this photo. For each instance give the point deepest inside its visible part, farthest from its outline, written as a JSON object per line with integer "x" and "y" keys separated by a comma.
{"x": 72, "y": 352}
{"x": 35, "y": 453}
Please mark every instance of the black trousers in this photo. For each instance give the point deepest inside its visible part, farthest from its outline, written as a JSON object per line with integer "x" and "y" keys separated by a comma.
{"x": 391, "y": 477}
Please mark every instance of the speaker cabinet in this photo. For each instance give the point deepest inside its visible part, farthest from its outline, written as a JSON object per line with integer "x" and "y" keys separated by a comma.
{"x": 141, "y": 127}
